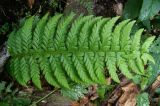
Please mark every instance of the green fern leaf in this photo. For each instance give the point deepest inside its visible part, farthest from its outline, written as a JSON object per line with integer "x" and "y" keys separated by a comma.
{"x": 89, "y": 66}
{"x": 38, "y": 33}
{"x": 75, "y": 29}
{"x": 145, "y": 57}
{"x": 147, "y": 44}
{"x": 68, "y": 50}
{"x": 58, "y": 72}
{"x": 35, "y": 72}
{"x": 70, "y": 70}
{"x": 106, "y": 33}
{"x": 98, "y": 67}
{"x": 49, "y": 31}
{"x": 26, "y": 35}
{"x": 133, "y": 66}
{"x": 94, "y": 39}
{"x": 46, "y": 68}
{"x": 80, "y": 69}
{"x": 140, "y": 65}
{"x": 125, "y": 37}
{"x": 24, "y": 67}
{"x": 11, "y": 41}
{"x": 115, "y": 43}
{"x": 136, "y": 40}
{"x": 62, "y": 29}
{"x": 17, "y": 73}
{"x": 111, "y": 65}
{"x": 122, "y": 64}
{"x": 86, "y": 30}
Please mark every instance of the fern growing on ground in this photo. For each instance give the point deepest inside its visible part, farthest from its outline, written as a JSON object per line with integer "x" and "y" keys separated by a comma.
{"x": 64, "y": 49}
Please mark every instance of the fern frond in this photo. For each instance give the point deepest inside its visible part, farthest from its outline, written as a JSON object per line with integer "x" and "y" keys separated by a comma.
{"x": 26, "y": 35}
{"x": 46, "y": 68}
{"x": 89, "y": 67}
{"x": 35, "y": 72}
{"x": 58, "y": 72}
{"x": 80, "y": 69}
{"x": 106, "y": 34}
{"x": 86, "y": 30}
{"x": 125, "y": 37}
{"x": 24, "y": 67}
{"x": 133, "y": 67}
{"x": 140, "y": 64}
{"x": 94, "y": 39}
{"x": 10, "y": 42}
{"x": 115, "y": 43}
{"x": 147, "y": 44}
{"x": 122, "y": 64}
{"x": 17, "y": 43}
{"x": 136, "y": 40}
{"x": 69, "y": 50}
{"x": 99, "y": 68}
{"x": 17, "y": 72}
{"x": 70, "y": 70}
{"x": 147, "y": 57}
{"x": 38, "y": 33}
{"x": 75, "y": 29}
{"x": 111, "y": 65}
{"x": 62, "y": 29}
{"x": 49, "y": 32}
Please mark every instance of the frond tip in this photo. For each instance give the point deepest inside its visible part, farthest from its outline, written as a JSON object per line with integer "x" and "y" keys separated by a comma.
{"x": 67, "y": 49}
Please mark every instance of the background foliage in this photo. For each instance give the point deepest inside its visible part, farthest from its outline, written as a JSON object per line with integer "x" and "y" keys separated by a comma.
{"x": 146, "y": 14}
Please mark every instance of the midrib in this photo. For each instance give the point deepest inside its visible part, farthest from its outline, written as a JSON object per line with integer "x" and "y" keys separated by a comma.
{"x": 62, "y": 52}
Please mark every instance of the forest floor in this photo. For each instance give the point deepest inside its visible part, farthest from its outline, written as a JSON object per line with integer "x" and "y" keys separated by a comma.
{"x": 11, "y": 11}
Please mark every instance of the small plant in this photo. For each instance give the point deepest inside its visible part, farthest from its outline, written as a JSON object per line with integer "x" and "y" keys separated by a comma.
{"x": 56, "y": 4}
{"x": 8, "y": 96}
{"x": 4, "y": 29}
{"x": 142, "y": 99}
{"x": 75, "y": 93}
{"x": 145, "y": 11}
{"x": 66, "y": 50}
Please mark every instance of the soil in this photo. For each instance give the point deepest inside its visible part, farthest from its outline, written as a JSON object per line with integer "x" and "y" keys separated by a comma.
{"x": 11, "y": 11}
{"x": 106, "y": 8}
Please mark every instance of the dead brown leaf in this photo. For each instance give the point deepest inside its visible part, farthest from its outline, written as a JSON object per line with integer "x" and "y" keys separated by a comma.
{"x": 28, "y": 90}
{"x": 115, "y": 97}
{"x": 123, "y": 95}
{"x": 128, "y": 97}
{"x": 92, "y": 92}
{"x": 94, "y": 97}
{"x": 109, "y": 80}
{"x": 118, "y": 8}
{"x": 131, "y": 87}
{"x": 75, "y": 103}
{"x": 155, "y": 85}
{"x": 84, "y": 101}
{"x": 31, "y": 3}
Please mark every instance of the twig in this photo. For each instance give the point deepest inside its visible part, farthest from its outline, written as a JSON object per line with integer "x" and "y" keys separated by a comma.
{"x": 117, "y": 88}
{"x": 45, "y": 96}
